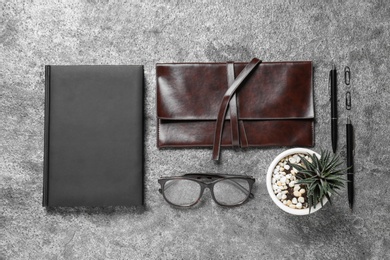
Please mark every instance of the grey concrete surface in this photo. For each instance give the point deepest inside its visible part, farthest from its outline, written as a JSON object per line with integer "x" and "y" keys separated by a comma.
{"x": 353, "y": 33}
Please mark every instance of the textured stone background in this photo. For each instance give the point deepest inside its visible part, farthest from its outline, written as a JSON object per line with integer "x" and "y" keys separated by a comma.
{"x": 353, "y": 33}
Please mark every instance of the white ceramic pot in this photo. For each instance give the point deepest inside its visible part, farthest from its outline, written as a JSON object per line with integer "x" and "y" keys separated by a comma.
{"x": 269, "y": 182}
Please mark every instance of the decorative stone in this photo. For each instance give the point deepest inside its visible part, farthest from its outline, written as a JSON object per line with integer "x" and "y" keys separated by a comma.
{"x": 297, "y": 194}
{"x": 297, "y": 158}
{"x": 292, "y": 160}
{"x": 284, "y": 178}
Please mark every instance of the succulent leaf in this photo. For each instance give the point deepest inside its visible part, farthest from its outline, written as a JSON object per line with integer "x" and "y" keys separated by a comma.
{"x": 322, "y": 176}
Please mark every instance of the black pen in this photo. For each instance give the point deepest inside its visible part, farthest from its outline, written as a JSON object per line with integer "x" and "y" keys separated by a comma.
{"x": 333, "y": 106}
{"x": 350, "y": 162}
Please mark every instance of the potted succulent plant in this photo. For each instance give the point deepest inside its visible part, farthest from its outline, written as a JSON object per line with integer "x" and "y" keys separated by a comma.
{"x": 300, "y": 181}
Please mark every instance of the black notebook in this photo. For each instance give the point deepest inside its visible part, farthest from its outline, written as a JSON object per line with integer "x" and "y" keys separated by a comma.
{"x": 93, "y": 136}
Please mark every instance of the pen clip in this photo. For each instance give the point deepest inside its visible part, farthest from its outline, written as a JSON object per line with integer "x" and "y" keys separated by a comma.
{"x": 348, "y": 100}
{"x": 347, "y": 75}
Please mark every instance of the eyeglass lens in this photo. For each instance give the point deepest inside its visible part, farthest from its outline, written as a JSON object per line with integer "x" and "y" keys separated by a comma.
{"x": 182, "y": 192}
{"x": 231, "y": 191}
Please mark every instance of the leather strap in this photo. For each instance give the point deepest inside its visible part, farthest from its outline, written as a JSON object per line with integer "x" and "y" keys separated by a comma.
{"x": 224, "y": 105}
{"x": 233, "y": 108}
{"x": 243, "y": 137}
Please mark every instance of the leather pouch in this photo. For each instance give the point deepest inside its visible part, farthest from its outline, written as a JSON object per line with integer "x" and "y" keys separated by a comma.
{"x": 255, "y": 104}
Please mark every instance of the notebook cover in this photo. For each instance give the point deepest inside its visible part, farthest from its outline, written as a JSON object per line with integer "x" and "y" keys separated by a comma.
{"x": 93, "y": 136}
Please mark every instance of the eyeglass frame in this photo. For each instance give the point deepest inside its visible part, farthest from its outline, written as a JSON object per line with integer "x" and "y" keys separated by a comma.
{"x": 210, "y": 185}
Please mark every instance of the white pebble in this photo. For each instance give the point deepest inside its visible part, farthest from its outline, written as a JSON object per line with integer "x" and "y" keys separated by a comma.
{"x": 288, "y": 176}
{"x": 297, "y": 158}
{"x": 297, "y": 187}
{"x": 291, "y": 184}
{"x": 279, "y": 196}
{"x": 301, "y": 199}
{"x": 284, "y": 196}
{"x": 302, "y": 191}
{"x": 297, "y": 194}
{"x": 283, "y": 179}
{"x": 287, "y": 167}
{"x": 288, "y": 202}
{"x": 292, "y": 160}
{"x": 292, "y": 206}
{"x": 298, "y": 206}
{"x": 294, "y": 201}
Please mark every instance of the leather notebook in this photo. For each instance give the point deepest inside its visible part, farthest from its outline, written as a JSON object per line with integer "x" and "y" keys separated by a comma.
{"x": 93, "y": 152}
{"x": 235, "y": 104}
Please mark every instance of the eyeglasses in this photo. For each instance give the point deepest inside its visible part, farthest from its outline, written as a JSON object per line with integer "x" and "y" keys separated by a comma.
{"x": 226, "y": 190}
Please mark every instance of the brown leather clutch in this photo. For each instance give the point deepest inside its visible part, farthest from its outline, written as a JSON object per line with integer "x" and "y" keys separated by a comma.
{"x": 255, "y": 104}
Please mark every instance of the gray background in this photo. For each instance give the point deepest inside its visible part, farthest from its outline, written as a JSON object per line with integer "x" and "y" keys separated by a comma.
{"x": 353, "y": 33}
